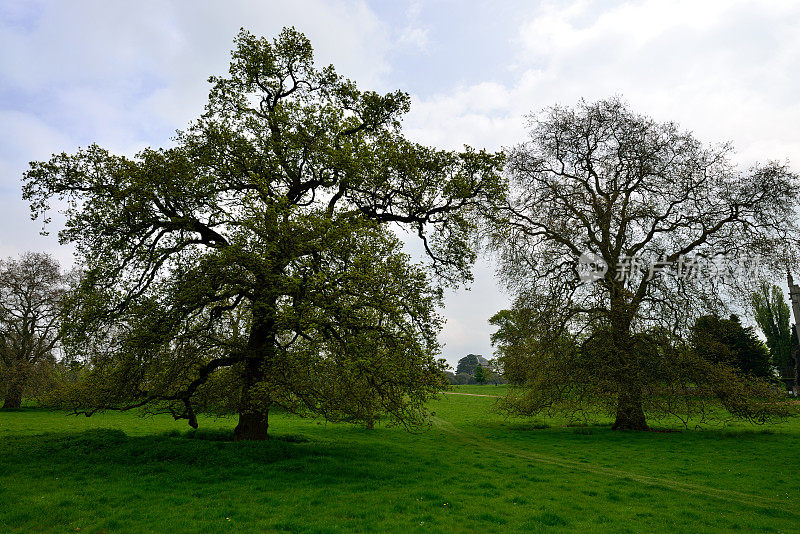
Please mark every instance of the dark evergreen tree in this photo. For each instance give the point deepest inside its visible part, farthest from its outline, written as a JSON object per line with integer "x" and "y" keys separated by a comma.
{"x": 727, "y": 341}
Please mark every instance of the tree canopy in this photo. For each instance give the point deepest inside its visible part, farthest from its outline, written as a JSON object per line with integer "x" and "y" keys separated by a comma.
{"x": 616, "y": 233}
{"x": 254, "y": 263}
{"x": 469, "y": 363}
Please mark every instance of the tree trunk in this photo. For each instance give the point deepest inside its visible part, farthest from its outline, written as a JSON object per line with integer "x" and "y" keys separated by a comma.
{"x": 369, "y": 423}
{"x": 13, "y": 398}
{"x": 630, "y": 415}
{"x": 253, "y": 412}
{"x": 252, "y": 426}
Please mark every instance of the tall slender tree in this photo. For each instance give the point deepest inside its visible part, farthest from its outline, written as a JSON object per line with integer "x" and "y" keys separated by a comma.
{"x": 252, "y": 264}
{"x": 772, "y": 315}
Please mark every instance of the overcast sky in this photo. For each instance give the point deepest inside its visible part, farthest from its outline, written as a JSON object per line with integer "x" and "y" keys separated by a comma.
{"x": 127, "y": 75}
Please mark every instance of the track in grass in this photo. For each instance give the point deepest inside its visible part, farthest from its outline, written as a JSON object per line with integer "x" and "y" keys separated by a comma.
{"x": 686, "y": 487}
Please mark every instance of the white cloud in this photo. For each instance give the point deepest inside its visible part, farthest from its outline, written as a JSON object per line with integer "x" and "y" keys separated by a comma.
{"x": 111, "y": 72}
{"x": 481, "y": 115}
{"x": 726, "y": 70}
{"x": 414, "y": 37}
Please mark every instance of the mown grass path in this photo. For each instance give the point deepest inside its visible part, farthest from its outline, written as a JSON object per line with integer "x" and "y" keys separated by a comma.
{"x": 692, "y": 489}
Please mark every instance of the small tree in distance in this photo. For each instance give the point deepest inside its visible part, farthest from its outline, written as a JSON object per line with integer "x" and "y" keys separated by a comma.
{"x": 468, "y": 364}
{"x": 480, "y": 375}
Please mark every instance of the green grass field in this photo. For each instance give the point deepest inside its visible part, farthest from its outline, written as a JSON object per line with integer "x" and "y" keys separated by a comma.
{"x": 471, "y": 471}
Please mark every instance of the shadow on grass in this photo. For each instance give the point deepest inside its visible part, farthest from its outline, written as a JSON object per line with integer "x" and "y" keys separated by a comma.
{"x": 195, "y": 454}
{"x": 548, "y": 431}
{"x": 227, "y": 435}
{"x": 25, "y": 409}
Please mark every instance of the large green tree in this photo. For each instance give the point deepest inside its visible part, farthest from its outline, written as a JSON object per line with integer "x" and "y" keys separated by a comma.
{"x": 468, "y": 364}
{"x": 618, "y": 231}
{"x": 253, "y": 264}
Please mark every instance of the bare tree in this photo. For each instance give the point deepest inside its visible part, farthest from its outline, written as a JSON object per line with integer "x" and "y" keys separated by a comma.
{"x": 31, "y": 292}
{"x": 642, "y": 203}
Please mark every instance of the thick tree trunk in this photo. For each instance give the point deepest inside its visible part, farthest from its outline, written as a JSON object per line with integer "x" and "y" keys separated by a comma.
{"x": 252, "y": 426}
{"x": 13, "y": 398}
{"x": 630, "y": 415}
{"x": 254, "y": 409}
{"x": 253, "y": 412}
{"x": 369, "y": 423}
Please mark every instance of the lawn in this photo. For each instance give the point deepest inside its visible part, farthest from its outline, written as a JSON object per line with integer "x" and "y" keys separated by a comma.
{"x": 471, "y": 471}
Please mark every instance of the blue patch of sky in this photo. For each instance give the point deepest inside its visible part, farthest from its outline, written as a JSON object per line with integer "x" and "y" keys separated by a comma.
{"x": 20, "y": 14}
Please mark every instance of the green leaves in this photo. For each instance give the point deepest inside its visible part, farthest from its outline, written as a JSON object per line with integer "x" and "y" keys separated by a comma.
{"x": 255, "y": 247}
